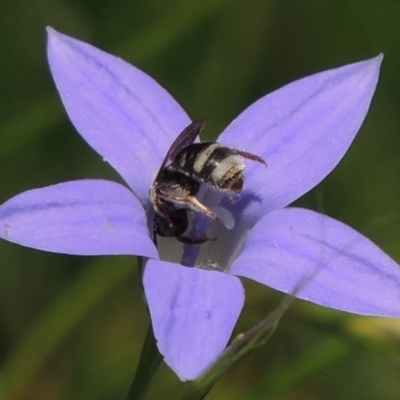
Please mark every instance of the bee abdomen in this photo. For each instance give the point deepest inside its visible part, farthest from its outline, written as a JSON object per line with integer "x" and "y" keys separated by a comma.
{"x": 211, "y": 163}
{"x": 194, "y": 157}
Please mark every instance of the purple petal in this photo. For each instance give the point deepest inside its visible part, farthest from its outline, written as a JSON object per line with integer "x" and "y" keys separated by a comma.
{"x": 88, "y": 217}
{"x": 120, "y": 111}
{"x": 193, "y": 312}
{"x": 302, "y": 131}
{"x": 321, "y": 260}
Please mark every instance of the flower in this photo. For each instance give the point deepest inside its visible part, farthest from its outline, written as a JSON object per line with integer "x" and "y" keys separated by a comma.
{"x": 301, "y": 130}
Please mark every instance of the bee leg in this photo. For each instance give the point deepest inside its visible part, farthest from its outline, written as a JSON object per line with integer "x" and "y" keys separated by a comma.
{"x": 155, "y": 234}
{"x": 195, "y": 241}
{"x": 195, "y": 205}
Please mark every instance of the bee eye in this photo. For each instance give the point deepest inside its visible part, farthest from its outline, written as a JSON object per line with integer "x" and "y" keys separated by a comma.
{"x": 235, "y": 183}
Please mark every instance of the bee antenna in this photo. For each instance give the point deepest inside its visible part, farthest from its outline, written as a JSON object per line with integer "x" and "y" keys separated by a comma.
{"x": 250, "y": 156}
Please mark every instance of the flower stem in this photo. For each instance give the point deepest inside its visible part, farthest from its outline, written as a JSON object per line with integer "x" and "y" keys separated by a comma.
{"x": 149, "y": 361}
{"x": 150, "y": 358}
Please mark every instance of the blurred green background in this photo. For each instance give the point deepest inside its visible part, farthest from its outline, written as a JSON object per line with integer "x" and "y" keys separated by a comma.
{"x": 72, "y": 327}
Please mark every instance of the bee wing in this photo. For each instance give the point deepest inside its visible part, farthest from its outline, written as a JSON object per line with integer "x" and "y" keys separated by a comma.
{"x": 184, "y": 139}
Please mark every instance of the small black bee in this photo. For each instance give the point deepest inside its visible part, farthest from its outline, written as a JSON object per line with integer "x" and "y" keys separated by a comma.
{"x": 186, "y": 166}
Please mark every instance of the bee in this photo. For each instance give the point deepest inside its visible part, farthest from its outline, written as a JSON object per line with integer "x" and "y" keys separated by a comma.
{"x": 185, "y": 168}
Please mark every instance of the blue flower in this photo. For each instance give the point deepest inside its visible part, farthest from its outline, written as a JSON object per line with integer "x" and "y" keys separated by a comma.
{"x": 301, "y": 130}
